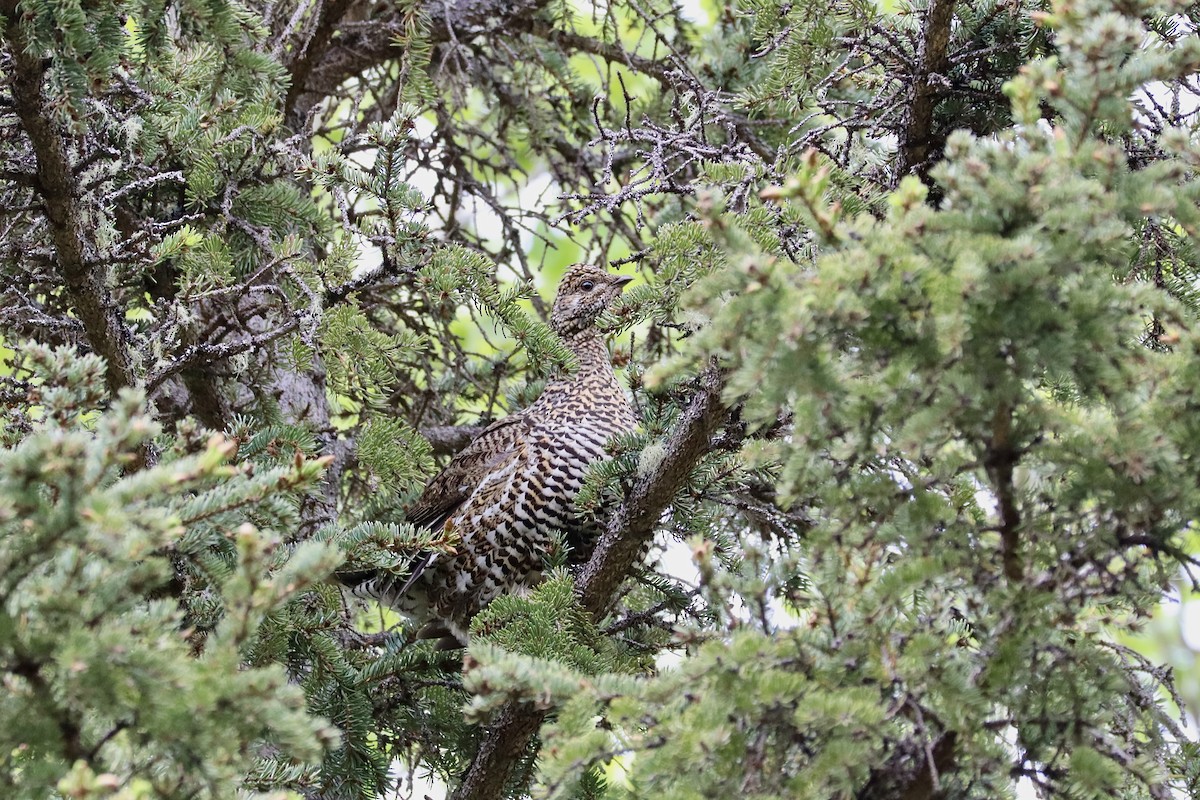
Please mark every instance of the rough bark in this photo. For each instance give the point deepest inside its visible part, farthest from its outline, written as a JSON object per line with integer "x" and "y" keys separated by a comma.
{"x": 918, "y": 139}
{"x": 302, "y": 401}
{"x": 78, "y": 258}
{"x": 633, "y": 525}
{"x": 360, "y": 46}
{"x": 912, "y": 772}
{"x": 624, "y": 538}
{"x": 328, "y": 14}
{"x": 449, "y": 439}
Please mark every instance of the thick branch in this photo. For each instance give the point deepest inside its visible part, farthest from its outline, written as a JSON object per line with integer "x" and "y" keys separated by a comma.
{"x": 303, "y": 400}
{"x": 329, "y": 14}
{"x": 912, "y": 772}
{"x": 917, "y": 136}
{"x": 632, "y": 526}
{"x": 361, "y": 46}
{"x": 449, "y": 439}
{"x": 569, "y": 40}
{"x": 629, "y": 529}
{"x": 68, "y": 727}
{"x": 1000, "y": 460}
{"x": 78, "y": 261}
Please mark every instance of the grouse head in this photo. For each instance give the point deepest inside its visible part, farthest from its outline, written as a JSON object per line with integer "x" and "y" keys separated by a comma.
{"x": 583, "y": 293}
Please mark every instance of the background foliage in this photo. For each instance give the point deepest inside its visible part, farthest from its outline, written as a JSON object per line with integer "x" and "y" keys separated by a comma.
{"x": 913, "y": 347}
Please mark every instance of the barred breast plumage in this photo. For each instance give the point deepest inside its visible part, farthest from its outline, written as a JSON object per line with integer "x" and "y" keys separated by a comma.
{"x": 507, "y": 492}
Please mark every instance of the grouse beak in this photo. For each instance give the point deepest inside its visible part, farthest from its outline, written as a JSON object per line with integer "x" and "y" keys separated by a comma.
{"x": 620, "y": 281}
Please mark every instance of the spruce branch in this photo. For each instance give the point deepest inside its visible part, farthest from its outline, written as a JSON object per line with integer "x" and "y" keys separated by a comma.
{"x": 205, "y": 353}
{"x": 78, "y": 259}
{"x": 628, "y": 530}
{"x": 362, "y": 46}
{"x": 633, "y": 524}
{"x": 1000, "y": 460}
{"x": 916, "y": 138}
{"x": 327, "y": 16}
{"x": 449, "y": 439}
{"x": 911, "y": 775}
{"x": 29, "y": 668}
{"x": 665, "y": 71}
{"x": 23, "y": 315}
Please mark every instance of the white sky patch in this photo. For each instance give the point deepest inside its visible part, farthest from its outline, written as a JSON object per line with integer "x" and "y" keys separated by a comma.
{"x": 1189, "y": 624}
{"x": 419, "y": 788}
{"x": 694, "y": 11}
{"x": 537, "y": 190}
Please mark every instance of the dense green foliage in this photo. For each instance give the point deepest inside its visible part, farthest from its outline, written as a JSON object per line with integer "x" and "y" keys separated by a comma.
{"x": 104, "y": 689}
{"x": 266, "y": 264}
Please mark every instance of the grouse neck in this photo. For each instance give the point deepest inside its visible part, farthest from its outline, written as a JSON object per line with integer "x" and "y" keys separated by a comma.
{"x": 591, "y": 395}
{"x": 591, "y": 351}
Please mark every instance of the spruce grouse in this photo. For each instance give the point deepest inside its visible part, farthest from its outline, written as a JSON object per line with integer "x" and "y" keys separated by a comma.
{"x": 505, "y": 494}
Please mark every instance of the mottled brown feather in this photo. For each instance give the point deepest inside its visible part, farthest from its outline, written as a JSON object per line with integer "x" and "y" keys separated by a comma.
{"x": 454, "y": 484}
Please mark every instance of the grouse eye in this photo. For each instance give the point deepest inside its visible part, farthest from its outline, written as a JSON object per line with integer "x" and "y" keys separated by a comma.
{"x": 587, "y": 286}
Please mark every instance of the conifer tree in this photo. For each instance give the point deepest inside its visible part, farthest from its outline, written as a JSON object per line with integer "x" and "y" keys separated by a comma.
{"x": 913, "y": 348}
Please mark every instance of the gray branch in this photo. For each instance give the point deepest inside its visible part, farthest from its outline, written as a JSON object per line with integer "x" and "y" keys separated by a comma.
{"x": 329, "y": 14}
{"x": 449, "y": 439}
{"x": 77, "y": 254}
{"x": 633, "y": 524}
{"x": 361, "y": 46}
